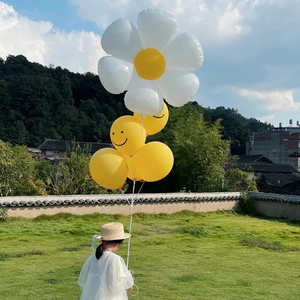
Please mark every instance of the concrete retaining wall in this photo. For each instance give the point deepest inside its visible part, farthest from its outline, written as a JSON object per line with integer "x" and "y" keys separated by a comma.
{"x": 31, "y": 207}
{"x": 272, "y": 205}
{"x": 151, "y": 208}
{"x": 278, "y": 206}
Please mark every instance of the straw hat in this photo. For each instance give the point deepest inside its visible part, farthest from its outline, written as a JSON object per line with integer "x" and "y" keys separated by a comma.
{"x": 113, "y": 231}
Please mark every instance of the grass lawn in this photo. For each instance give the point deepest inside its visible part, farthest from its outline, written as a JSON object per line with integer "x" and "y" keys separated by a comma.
{"x": 185, "y": 255}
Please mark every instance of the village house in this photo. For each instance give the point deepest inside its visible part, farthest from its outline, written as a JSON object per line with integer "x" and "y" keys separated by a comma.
{"x": 55, "y": 149}
{"x": 269, "y": 176}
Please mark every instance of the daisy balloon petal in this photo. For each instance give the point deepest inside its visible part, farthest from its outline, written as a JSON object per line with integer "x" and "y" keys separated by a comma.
{"x": 150, "y": 62}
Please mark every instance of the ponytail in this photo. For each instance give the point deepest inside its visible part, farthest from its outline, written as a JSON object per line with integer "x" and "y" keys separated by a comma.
{"x": 99, "y": 249}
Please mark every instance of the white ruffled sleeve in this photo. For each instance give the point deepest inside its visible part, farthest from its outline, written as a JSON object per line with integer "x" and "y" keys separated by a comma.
{"x": 119, "y": 278}
{"x": 84, "y": 273}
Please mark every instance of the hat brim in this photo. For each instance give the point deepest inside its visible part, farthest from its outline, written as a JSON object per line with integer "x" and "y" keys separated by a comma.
{"x": 115, "y": 237}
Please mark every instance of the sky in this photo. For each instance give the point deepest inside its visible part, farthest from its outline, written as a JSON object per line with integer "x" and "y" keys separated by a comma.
{"x": 251, "y": 47}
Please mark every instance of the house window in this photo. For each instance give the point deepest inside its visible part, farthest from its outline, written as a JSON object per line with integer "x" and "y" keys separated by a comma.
{"x": 55, "y": 152}
{"x": 255, "y": 173}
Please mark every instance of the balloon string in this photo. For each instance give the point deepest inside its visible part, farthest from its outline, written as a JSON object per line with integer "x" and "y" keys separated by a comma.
{"x": 122, "y": 192}
{"x": 130, "y": 226}
{"x": 138, "y": 290}
{"x": 140, "y": 189}
{"x": 131, "y": 214}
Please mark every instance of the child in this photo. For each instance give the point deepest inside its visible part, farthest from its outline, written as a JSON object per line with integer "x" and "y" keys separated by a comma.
{"x": 104, "y": 276}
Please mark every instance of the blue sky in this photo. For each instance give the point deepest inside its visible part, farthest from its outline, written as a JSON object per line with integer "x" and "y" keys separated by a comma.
{"x": 251, "y": 47}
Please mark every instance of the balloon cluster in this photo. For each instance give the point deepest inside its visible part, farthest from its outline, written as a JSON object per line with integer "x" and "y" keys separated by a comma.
{"x": 151, "y": 64}
{"x": 132, "y": 158}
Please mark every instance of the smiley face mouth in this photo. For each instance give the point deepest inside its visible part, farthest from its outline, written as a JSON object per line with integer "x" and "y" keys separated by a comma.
{"x": 119, "y": 145}
{"x": 157, "y": 117}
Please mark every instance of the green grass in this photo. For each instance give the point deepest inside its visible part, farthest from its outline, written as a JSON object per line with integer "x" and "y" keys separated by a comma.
{"x": 185, "y": 255}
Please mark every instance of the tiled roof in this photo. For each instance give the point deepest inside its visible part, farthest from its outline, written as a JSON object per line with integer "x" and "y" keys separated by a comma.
{"x": 276, "y": 197}
{"x": 33, "y": 150}
{"x": 264, "y": 168}
{"x": 62, "y": 145}
{"x": 115, "y": 199}
{"x": 276, "y": 168}
{"x": 253, "y": 159}
{"x": 280, "y": 180}
{"x": 142, "y": 198}
{"x": 288, "y": 189}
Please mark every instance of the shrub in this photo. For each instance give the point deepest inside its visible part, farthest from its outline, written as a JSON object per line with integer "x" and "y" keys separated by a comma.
{"x": 3, "y": 214}
{"x": 247, "y": 206}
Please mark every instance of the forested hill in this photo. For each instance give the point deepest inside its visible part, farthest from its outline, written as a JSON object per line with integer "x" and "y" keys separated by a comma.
{"x": 38, "y": 103}
{"x": 236, "y": 128}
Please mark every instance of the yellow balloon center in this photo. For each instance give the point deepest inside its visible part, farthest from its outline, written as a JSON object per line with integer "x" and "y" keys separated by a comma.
{"x": 150, "y": 64}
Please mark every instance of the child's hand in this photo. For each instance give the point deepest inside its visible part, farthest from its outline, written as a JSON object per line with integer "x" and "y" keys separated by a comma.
{"x": 130, "y": 290}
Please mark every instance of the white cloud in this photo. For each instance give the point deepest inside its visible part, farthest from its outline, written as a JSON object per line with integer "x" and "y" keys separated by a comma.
{"x": 267, "y": 118}
{"x": 39, "y": 42}
{"x": 209, "y": 20}
{"x": 76, "y": 51}
{"x": 229, "y": 22}
{"x": 14, "y": 32}
{"x": 271, "y": 101}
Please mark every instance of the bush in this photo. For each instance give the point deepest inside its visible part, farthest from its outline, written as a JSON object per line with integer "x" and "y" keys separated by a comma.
{"x": 246, "y": 206}
{"x": 3, "y": 214}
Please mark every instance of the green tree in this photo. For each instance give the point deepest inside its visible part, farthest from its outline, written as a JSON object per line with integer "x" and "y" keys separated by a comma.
{"x": 235, "y": 128}
{"x": 199, "y": 151}
{"x": 16, "y": 171}
{"x": 200, "y": 154}
{"x": 238, "y": 181}
{"x": 73, "y": 176}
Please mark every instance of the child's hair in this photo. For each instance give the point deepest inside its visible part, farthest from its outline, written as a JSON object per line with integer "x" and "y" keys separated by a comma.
{"x": 99, "y": 250}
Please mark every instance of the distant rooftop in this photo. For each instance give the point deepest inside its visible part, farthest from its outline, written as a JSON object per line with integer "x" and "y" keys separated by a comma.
{"x": 292, "y": 129}
{"x": 289, "y": 128}
{"x": 281, "y": 179}
{"x": 260, "y": 163}
{"x": 62, "y": 145}
{"x": 254, "y": 159}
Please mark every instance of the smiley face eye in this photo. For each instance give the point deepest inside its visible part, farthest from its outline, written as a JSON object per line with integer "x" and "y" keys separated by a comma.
{"x": 122, "y": 131}
{"x": 113, "y": 133}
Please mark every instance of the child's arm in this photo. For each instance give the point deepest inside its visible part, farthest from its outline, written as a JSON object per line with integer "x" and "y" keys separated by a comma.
{"x": 119, "y": 278}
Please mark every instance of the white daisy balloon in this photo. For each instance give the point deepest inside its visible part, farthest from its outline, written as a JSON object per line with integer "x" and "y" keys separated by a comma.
{"x": 150, "y": 62}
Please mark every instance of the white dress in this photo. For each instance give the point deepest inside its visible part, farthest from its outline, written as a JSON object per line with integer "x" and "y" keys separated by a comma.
{"x": 106, "y": 278}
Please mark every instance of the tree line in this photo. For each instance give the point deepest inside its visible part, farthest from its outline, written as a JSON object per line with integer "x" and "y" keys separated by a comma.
{"x": 203, "y": 163}
{"x": 39, "y": 102}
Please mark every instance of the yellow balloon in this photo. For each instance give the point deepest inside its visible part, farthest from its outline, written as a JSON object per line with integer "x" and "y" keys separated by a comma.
{"x": 154, "y": 161}
{"x": 108, "y": 168}
{"x": 127, "y": 135}
{"x": 131, "y": 165}
{"x": 156, "y": 123}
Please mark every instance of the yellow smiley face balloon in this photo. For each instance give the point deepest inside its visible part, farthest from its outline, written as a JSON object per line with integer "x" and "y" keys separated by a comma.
{"x": 108, "y": 168}
{"x": 156, "y": 123}
{"x": 127, "y": 135}
{"x": 154, "y": 161}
